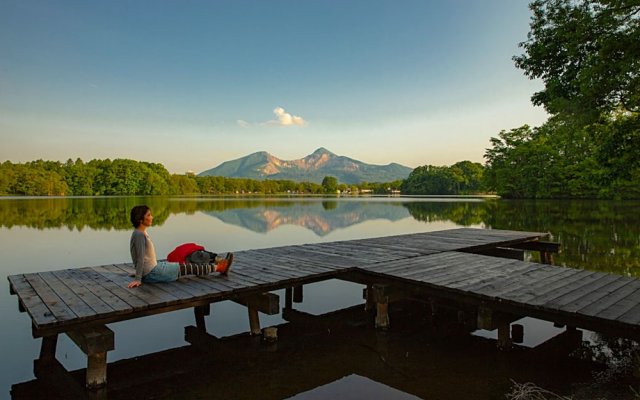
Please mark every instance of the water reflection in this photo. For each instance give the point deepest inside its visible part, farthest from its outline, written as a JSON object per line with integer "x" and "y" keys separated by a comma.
{"x": 341, "y": 356}
{"x": 596, "y": 235}
{"x": 354, "y": 387}
{"x": 320, "y": 217}
{"x": 69, "y": 232}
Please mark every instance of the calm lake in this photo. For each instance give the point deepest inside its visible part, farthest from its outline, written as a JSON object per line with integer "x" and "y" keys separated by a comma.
{"x": 38, "y": 234}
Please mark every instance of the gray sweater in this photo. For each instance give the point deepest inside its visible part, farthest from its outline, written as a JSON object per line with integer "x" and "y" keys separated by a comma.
{"x": 143, "y": 253}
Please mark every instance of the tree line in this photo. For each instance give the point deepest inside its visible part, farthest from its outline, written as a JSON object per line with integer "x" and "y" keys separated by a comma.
{"x": 123, "y": 177}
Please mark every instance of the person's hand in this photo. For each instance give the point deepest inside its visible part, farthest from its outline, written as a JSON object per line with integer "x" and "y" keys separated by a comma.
{"x": 134, "y": 283}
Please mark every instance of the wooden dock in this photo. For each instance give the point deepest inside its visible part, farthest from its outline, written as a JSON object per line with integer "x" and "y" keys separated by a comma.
{"x": 455, "y": 269}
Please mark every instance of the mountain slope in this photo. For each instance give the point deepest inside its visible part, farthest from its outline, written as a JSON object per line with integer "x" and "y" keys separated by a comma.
{"x": 312, "y": 168}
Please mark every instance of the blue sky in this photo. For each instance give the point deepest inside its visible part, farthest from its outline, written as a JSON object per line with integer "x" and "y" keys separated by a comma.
{"x": 191, "y": 84}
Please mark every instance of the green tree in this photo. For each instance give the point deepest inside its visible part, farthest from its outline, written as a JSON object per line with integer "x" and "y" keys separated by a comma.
{"x": 79, "y": 177}
{"x": 330, "y": 184}
{"x": 587, "y": 53}
{"x": 7, "y": 178}
{"x": 430, "y": 179}
{"x": 184, "y": 184}
{"x": 468, "y": 177}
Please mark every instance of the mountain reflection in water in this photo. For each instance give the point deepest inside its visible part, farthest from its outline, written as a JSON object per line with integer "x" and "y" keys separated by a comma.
{"x": 321, "y": 217}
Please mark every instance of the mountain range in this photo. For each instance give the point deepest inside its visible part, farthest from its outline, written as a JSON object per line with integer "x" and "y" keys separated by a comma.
{"x": 312, "y": 168}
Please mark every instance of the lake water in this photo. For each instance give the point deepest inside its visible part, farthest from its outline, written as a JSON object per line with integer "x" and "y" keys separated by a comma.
{"x": 38, "y": 234}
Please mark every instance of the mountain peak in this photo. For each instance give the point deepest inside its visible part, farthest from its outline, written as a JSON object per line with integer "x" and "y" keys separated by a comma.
{"x": 322, "y": 150}
{"x": 312, "y": 168}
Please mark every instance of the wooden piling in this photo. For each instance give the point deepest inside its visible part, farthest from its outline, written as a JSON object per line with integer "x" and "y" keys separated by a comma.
{"x": 297, "y": 294}
{"x": 200, "y": 312}
{"x": 48, "y": 348}
{"x": 379, "y": 293}
{"x": 288, "y": 298}
{"x": 254, "y": 322}
{"x": 517, "y": 333}
{"x": 95, "y": 342}
{"x": 504, "y": 337}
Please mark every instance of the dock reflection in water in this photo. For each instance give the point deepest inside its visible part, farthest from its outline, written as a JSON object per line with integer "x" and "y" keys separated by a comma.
{"x": 335, "y": 355}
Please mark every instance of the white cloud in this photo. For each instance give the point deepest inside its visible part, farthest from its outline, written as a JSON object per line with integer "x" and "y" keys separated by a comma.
{"x": 283, "y": 118}
{"x": 286, "y": 119}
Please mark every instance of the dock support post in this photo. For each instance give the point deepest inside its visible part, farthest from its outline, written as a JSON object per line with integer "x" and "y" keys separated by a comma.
{"x": 48, "y": 348}
{"x": 254, "y": 321}
{"x": 267, "y": 303}
{"x": 95, "y": 342}
{"x": 517, "y": 333}
{"x": 288, "y": 298}
{"x": 380, "y": 294}
{"x": 297, "y": 294}
{"x": 382, "y": 316}
{"x": 200, "y": 312}
{"x": 504, "y": 336}
{"x": 97, "y": 370}
{"x": 368, "y": 295}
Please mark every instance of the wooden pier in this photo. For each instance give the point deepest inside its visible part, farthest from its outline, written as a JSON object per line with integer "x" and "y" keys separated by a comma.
{"x": 479, "y": 273}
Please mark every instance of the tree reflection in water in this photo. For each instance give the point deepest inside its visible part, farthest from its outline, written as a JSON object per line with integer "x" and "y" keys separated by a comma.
{"x": 595, "y": 235}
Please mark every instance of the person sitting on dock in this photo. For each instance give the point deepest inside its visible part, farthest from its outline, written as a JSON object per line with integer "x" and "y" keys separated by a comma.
{"x": 148, "y": 268}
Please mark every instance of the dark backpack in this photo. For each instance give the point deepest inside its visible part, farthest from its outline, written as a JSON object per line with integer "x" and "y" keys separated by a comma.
{"x": 201, "y": 257}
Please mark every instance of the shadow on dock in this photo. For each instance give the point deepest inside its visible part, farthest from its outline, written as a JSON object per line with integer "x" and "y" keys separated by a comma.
{"x": 336, "y": 355}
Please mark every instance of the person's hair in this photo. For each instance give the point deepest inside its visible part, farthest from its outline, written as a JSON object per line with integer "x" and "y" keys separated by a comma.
{"x": 137, "y": 214}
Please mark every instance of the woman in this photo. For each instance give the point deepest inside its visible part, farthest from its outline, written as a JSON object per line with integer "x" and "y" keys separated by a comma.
{"x": 143, "y": 255}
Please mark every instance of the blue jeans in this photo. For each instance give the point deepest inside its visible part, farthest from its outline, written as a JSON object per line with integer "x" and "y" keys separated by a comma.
{"x": 163, "y": 272}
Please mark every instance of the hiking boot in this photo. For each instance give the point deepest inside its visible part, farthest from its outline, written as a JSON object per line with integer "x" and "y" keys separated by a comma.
{"x": 224, "y": 265}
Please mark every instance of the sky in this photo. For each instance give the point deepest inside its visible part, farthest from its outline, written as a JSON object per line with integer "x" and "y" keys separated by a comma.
{"x": 191, "y": 84}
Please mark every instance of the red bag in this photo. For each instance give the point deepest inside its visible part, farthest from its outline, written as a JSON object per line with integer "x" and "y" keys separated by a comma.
{"x": 180, "y": 253}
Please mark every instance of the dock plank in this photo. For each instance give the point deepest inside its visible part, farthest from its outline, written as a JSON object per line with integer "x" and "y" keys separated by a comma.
{"x": 95, "y": 295}
{"x": 611, "y": 299}
{"x": 535, "y": 286}
{"x": 70, "y": 298}
{"x": 58, "y": 308}
{"x": 508, "y": 273}
{"x": 536, "y": 276}
{"x": 119, "y": 291}
{"x": 620, "y": 307}
{"x": 493, "y": 272}
{"x": 32, "y": 303}
{"x": 597, "y": 295}
{"x": 586, "y": 280}
{"x": 145, "y": 294}
{"x": 589, "y": 290}
{"x": 285, "y": 261}
{"x": 544, "y": 287}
